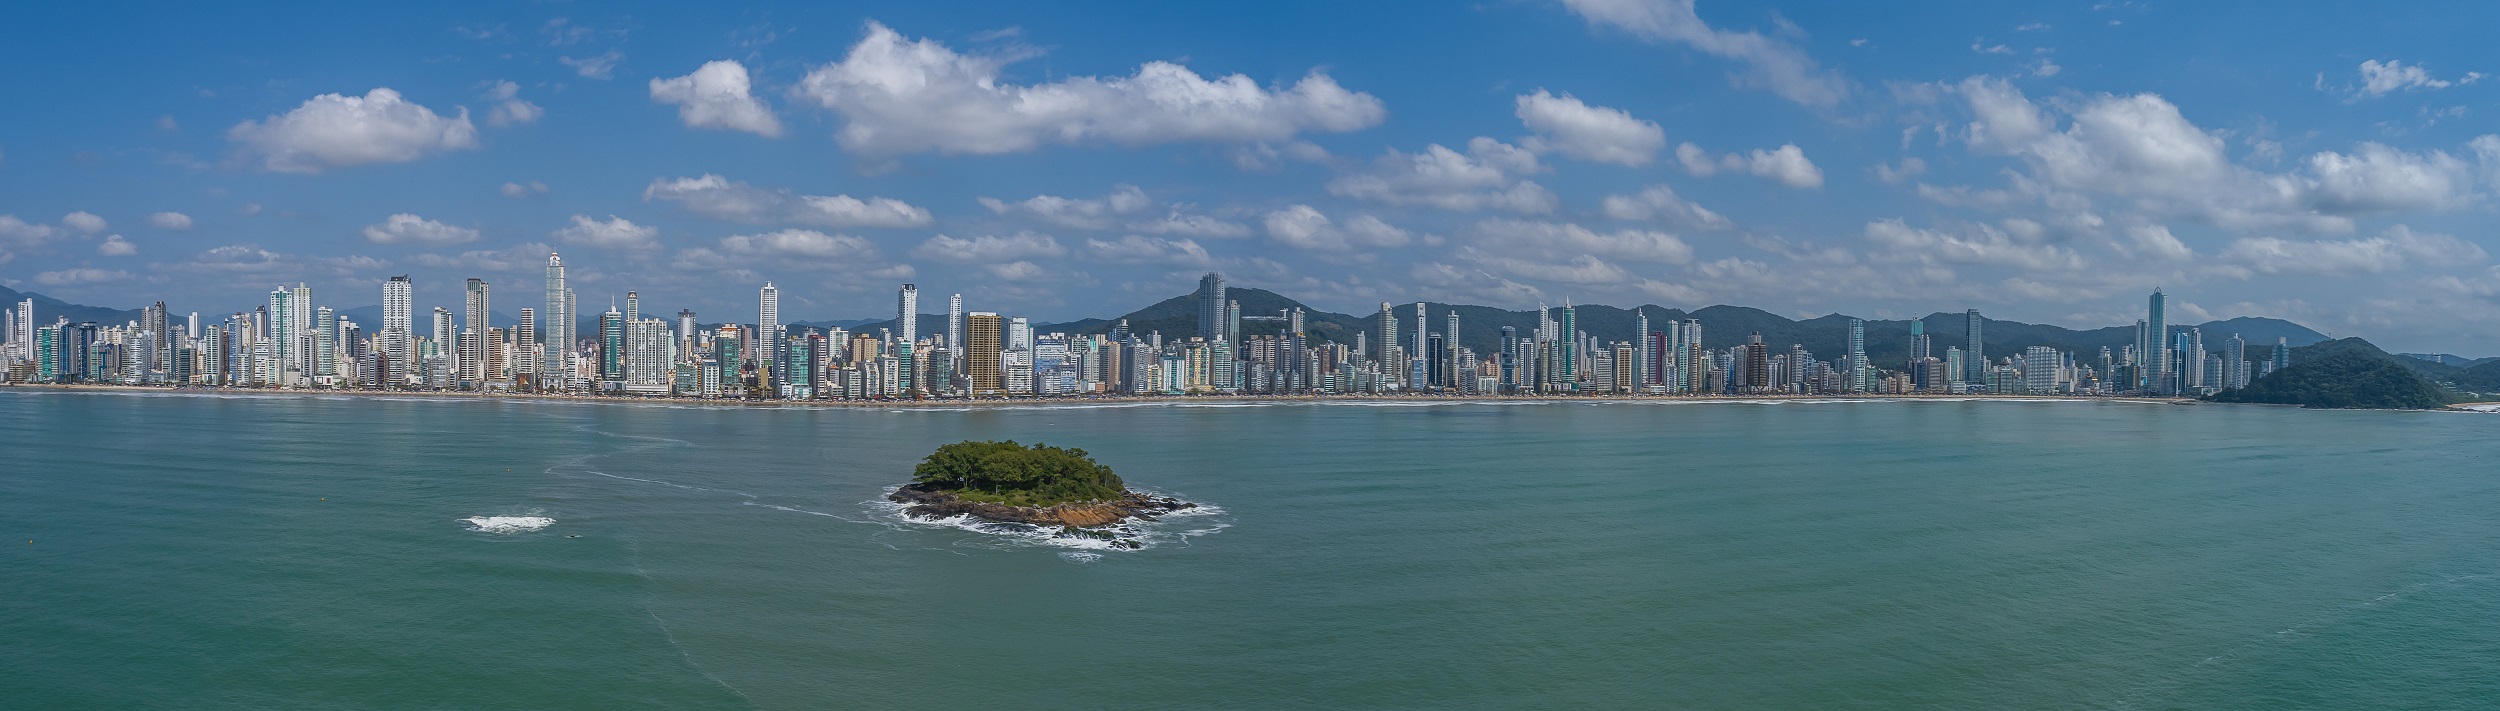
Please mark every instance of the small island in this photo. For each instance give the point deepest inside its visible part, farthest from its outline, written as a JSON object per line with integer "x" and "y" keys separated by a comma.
{"x": 1039, "y": 485}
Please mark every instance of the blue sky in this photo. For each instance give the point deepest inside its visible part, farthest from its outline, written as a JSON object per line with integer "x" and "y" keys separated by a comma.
{"x": 2327, "y": 163}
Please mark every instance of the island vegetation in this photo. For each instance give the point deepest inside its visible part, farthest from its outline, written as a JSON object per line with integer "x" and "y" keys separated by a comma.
{"x": 1037, "y": 484}
{"x": 2347, "y": 373}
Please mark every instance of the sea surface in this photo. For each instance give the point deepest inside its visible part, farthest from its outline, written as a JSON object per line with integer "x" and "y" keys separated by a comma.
{"x": 247, "y": 552}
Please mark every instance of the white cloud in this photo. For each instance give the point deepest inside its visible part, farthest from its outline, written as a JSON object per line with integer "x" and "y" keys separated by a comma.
{"x": 84, "y": 221}
{"x": 715, "y": 196}
{"x": 1305, "y": 227}
{"x": 1772, "y": 64}
{"x": 80, "y": 275}
{"x": 1547, "y": 239}
{"x": 2382, "y": 78}
{"x": 115, "y": 246}
{"x": 808, "y": 244}
{"x": 1487, "y": 176}
{"x": 612, "y": 233}
{"x": 404, "y": 228}
{"x": 524, "y": 258}
{"x": 601, "y": 67}
{"x": 1571, "y": 127}
{"x": 1079, "y": 213}
{"x": 2387, "y": 251}
{"x": 170, "y": 221}
{"x": 1911, "y": 167}
{"x": 517, "y": 190}
{"x": 1786, "y": 165}
{"x": 509, "y": 107}
{"x": 989, "y": 248}
{"x": 334, "y": 130}
{"x": 1980, "y": 244}
{"x": 1139, "y": 249}
{"x": 1660, "y": 202}
{"x": 2140, "y": 151}
{"x": 1179, "y": 223}
{"x": 718, "y": 95}
{"x": 899, "y": 96}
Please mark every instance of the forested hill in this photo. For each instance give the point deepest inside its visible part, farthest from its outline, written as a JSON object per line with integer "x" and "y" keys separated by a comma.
{"x": 2346, "y": 373}
{"x": 1887, "y": 342}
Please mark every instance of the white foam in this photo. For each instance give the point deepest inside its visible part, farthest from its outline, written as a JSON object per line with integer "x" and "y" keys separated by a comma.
{"x": 1080, "y": 556}
{"x": 507, "y": 525}
{"x": 1129, "y": 535}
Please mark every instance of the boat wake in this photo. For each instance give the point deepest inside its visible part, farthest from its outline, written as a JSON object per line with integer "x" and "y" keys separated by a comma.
{"x": 508, "y": 525}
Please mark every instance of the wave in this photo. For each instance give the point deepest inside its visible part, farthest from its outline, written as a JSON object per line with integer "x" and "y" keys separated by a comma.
{"x": 1077, "y": 545}
{"x": 507, "y": 525}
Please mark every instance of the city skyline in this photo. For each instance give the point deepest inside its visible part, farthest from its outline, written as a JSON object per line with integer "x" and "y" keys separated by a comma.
{"x": 2043, "y": 165}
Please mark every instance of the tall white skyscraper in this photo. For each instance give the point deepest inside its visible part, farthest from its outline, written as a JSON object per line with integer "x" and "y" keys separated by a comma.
{"x": 767, "y": 323}
{"x": 398, "y": 333}
{"x": 907, "y": 314}
{"x": 397, "y": 295}
{"x": 559, "y": 326}
{"x": 955, "y": 326}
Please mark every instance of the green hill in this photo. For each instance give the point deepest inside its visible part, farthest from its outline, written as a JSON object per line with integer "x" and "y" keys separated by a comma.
{"x": 2347, "y": 373}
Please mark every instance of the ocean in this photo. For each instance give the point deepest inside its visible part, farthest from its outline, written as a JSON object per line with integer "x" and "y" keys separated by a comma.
{"x": 205, "y": 552}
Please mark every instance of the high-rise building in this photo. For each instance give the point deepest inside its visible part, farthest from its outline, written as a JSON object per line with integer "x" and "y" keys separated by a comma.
{"x": 1419, "y": 372}
{"x": 475, "y": 320}
{"x": 685, "y": 334}
{"x": 1974, "y": 356}
{"x": 1567, "y": 363}
{"x": 1388, "y": 333}
{"x": 282, "y": 307}
{"x": 955, "y": 327}
{"x": 552, "y": 373}
{"x": 906, "y": 335}
{"x": 611, "y": 349}
{"x": 1858, "y": 375}
{"x": 2155, "y": 345}
{"x": 1642, "y": 356}
{"x": 981, "y": 353}
{"x": 1211, "y": 306}
{"x": 2234, "y": 362}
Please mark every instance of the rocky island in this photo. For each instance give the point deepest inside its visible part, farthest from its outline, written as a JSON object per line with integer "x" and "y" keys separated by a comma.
{"x": 1039, "y": 485}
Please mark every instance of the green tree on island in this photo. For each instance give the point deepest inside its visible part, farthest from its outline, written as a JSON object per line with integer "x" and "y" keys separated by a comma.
{"x": 1009, "y": 473}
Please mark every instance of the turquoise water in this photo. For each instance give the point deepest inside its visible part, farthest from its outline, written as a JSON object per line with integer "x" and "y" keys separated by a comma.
{"x": 1970, "y": 555}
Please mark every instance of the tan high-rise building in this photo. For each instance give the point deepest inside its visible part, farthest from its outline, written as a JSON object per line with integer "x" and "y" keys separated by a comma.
{"x": 981, "y": 336}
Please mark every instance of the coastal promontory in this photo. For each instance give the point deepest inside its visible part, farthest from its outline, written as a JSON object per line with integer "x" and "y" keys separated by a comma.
{"x": 1039, "y": 484}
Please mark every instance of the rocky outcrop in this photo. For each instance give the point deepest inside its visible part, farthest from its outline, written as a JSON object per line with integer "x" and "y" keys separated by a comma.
{"x": 926, "y": 500}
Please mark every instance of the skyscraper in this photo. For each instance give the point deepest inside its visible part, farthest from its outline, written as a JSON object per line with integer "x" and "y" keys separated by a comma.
{"x": 1857, "y": 355}
{"x": 558, "y": 326}
{"x": 955, "y": 325}
{"x": 2155, "y": 351}
{"x": 906, "y": 334}
{"x": 685, "y": 335}
{"x": 981, "y": 351}
{"x": 1211, "y": 306}
{"x": 475, "y": 321}
{"x": 1641, "y": 354}
{"x": 398, "y": 330}
{"x": 767, "y": 323}
{"x": 282, "y": 331}
{"x": 1420, "y": 371}
{"x": 1388, "y": 333}
{"x": 1567, "y": 363}
{"x": 633, "y": 307}
{"x": 1974, "y": 357}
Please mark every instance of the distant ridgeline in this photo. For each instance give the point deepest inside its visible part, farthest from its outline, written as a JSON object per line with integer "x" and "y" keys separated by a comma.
{"x": 2351, "y": 373}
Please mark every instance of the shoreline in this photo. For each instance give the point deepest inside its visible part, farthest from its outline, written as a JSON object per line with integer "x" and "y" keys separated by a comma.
{"x": 950, "y": 403}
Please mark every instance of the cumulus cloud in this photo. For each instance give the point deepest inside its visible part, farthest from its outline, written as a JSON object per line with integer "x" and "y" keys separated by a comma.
{"x": 170, "y": 221}
{"x": 1305, "y": 227}
{"x": 1178, "y": 222}
{"x": 84, "y": 221}
{"x": 335, "y": 130}
{"x": 517, "y": 190}
{"x": 2386, "y": 251}
{"x": 1786, "y": 165}
{"x": 989, "y": 248}
{"x": 524, "y": 258}
{"x": 601, "y": 66}
{"x": 899, "y": 96}
{"x": 612, "y": 233}
{"x": 1771, "y": 64}
{"x": 80, "y": 275}
{"x": 1139, "y": 249}
{"x": 1079, "y": 213}
{"x": 2382, "y": 78}
{"x": 2142, "y": 152}
{"x": 1979, "y": 244}
{"x": 1566, "y": 125}
{"x": 717, "y": 95}
{"x": 115, "y": 246}
{"x": 248, "y": 263}
{"x": 718, "y": 197}
{"x": 1659, "y": 202}
{"x": 509, "y": 108}
{"x": 800, "y": 244}
{"x": 1911, "y": 167}
{"x": 1487, "y": 176}
{"x": 1544, "y": 239}
{"x": 404, "y": 228}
